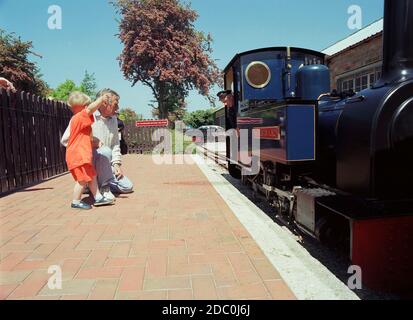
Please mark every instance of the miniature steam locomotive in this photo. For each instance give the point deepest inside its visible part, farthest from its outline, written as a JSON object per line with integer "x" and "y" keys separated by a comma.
{"x": 338, "y": 166}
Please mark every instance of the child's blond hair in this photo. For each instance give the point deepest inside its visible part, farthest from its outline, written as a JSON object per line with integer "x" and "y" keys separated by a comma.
{"x": 78, "y": 98}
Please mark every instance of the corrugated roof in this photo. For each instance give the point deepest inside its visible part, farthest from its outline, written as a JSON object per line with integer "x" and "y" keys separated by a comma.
{"x": 355, "y": 38}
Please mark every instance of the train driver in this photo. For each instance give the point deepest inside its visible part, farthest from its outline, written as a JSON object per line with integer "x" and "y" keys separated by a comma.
{"x": 227, "y": 98}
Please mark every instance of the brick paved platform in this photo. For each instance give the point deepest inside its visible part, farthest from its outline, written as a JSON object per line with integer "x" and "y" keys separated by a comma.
{"x": 174, "y": 238}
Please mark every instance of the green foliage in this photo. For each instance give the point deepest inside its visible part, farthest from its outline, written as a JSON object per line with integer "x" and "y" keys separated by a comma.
{"x": 16, "y": 66}
{"x": 127, "y": 115}
{"x": 89, "y": 85}
{"x": 199, "y": 118}
{"x": 63, "y": 91}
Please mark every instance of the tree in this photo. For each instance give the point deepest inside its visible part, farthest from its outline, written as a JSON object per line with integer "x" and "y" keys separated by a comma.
{"x": 129, "y": 116}
{"x": 16, "y": 66}
{"x": 176, "y": 112}
{"x": 199, "y": 118}
{"x": 63, "y": 91}
{"x": 89, "y": 85}
{"x": 163, "y": 51}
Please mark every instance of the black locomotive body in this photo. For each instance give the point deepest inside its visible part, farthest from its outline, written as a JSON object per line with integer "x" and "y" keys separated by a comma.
{"x": 339, "y": 166}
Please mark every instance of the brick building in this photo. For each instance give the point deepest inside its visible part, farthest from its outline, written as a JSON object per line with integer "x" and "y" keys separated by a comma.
{"x": 355, "y": 62}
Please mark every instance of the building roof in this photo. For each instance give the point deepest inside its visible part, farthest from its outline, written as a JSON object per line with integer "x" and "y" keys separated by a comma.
{"x": 219, "y": 109}
{"x": 363, "y": 34}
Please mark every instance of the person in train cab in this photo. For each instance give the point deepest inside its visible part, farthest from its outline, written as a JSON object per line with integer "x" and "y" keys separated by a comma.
{"x": 6, "y": 84}
{"x": 227, "y": 98}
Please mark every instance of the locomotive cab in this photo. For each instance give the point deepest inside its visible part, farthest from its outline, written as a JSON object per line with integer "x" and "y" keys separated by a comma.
{"x": 275, "y": 101}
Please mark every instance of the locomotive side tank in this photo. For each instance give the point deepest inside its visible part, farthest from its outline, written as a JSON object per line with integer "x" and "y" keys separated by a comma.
{"x": 335, "y": 165}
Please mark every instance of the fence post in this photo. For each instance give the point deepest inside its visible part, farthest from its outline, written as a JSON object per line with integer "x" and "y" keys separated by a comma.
{"x": 3, "y": 160}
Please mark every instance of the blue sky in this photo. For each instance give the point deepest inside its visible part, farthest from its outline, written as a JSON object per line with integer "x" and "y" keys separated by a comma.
{"x": 87, "y": 40}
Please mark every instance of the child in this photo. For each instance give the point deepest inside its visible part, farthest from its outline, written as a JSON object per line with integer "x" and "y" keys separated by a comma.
{"x": 79, "y": 156}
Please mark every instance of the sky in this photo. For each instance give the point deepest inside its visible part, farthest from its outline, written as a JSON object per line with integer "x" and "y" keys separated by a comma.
{"x": 88, "y": 41}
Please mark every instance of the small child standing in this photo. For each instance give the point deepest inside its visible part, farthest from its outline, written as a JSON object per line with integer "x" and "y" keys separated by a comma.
{"x": 79, "y": 157}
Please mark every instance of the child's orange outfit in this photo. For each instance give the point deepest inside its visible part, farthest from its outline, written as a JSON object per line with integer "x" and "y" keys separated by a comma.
{"x": 79, "y": 156}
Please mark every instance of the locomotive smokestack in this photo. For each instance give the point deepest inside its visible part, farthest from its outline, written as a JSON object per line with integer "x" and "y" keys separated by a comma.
{"x": 397, "y": 40}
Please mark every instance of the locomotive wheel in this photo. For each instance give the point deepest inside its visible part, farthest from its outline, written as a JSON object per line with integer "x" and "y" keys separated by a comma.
{"x": 234, "y": 171}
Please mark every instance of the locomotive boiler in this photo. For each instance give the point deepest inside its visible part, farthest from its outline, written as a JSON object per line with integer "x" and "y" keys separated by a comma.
{"x": 337, "y": 165}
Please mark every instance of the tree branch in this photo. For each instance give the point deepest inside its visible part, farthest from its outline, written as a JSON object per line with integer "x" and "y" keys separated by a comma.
{"x": 150, "y": 85}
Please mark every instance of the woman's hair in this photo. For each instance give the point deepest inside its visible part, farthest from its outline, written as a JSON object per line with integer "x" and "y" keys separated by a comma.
{"x": 77, "y": 98}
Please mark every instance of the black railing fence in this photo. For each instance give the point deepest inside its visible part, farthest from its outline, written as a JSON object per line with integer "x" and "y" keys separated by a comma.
{"x": 30, "y": 131}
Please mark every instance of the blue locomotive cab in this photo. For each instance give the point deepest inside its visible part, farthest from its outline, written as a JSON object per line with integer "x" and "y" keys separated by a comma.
{"x": 275, "y": 94}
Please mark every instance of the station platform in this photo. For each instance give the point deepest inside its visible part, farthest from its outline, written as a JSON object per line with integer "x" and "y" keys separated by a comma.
{"x": 178, "y": 236}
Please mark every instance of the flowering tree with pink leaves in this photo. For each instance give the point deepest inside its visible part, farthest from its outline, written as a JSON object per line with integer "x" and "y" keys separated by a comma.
{"x": 163, "y": 50}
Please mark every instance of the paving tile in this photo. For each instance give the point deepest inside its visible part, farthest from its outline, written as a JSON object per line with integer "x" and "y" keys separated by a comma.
{"x": 11, "y": 277}
{"x": 266, "y": 270}
{"x": 125, "y": 262}
{"x": 167, "y": 283}
{"x": 6, "y": 290}
{"x": 99, "y": 273}
{"x": 104, "y": 290}
{"x": 12, "y": 260}
{"x": 224, "y": 274}
{"x": 184, "y": 294}
{"x": 120, "y": 250}
{"x": 71, "y": 287}
{"x": 204, "y": 288}
{"x": 74, "y": 297}
{"x": 279, "y": 290}
{"x": 153, "y": 295}
{"x": 132, "y": 279}
{"x": 243, "y": 292}
{"x": 186, "y": 244}
{"x": 31, "y": 285}
{"x": 179, "y": 269}
{"x": 96, "y": 259}
{"x": 156, "y": 266}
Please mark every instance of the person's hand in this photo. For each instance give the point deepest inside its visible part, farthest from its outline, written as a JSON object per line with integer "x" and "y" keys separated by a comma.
{"x": 118, "y": 171}
{"x": 6, "y": 84}
{"x": 105, "y": 100}
{"x": 96, "y": 143}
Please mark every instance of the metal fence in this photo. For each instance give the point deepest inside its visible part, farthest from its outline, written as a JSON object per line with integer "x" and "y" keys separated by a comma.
{"x": 30, "y": 131}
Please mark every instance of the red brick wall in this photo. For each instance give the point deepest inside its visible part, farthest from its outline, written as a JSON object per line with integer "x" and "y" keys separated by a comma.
{"x": 353, "y": 58}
